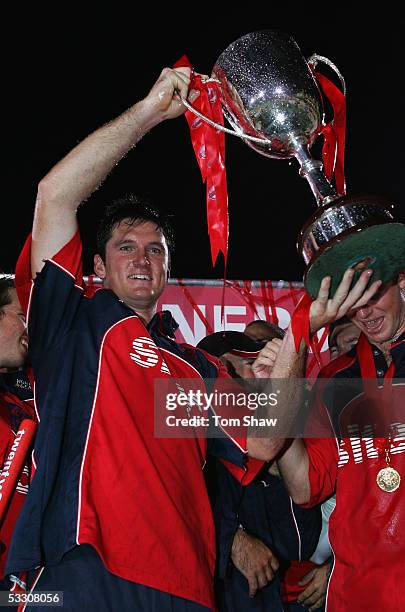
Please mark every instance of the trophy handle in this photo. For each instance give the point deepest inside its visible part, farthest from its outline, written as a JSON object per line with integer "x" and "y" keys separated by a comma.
{"x": 220, "y": 127}
{"x": 315, "y": 59}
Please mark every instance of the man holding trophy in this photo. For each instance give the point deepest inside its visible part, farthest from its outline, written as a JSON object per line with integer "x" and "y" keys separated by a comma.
{"x": 117, "y": 518}
{"x": 355, "y": 255}
{"x": 73, "y": 536}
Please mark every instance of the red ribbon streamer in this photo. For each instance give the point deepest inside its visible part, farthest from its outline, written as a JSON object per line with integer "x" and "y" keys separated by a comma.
{"x": 269, "y": 301}
{"x": 293, "y": 293}
{"x": 300, "y": 321}
{"x": 301, "y": 330}
{"x": 272, "y": 303}
{"x": 334, "y": 133}
{"x": 246, "y": 294}
{"x": 368, "y": 372}
{"x": 265, "y": 300}
{"x": 195, "y": 306}
{"x": 209, "y": 148}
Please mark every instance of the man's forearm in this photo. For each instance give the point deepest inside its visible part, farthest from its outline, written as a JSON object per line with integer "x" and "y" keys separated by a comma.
{"x": 78, "y": 175}
{"x": 83, "y": 170}
{"x": 289, "y": 366}
{"x": 293, "y": 466}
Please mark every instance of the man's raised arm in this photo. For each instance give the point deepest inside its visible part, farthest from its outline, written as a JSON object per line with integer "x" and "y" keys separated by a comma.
{"x": 284, "y": 363}
{"x": 294, "y": 463}
{"x": 290, "y": 364}
{"x": 77, "y": 175}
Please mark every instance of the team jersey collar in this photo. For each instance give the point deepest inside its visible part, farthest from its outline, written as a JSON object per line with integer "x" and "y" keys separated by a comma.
{"x": 163, "y": 323}
{"x": 17, "y": 383}
{"x": 372, "y": 359}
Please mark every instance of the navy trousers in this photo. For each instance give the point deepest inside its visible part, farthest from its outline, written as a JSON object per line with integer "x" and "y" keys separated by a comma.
{"x": 87, "y": 586}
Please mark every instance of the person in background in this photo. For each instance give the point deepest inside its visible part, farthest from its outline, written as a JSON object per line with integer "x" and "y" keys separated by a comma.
{"x": 343, "y": 336}
{"x": 235, "y": 350}
{"x": 259, "y": 529}
{"x": 261, "y": 330}
{"x": 16, "y": 404}
{"x": 309, "y": 591}
{"x": 363, "y": 471}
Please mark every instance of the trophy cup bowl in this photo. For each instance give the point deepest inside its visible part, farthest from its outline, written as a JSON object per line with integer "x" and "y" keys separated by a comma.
{"x": 269, "y": 92}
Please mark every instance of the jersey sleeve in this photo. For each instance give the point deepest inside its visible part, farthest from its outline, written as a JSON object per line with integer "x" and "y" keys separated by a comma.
{"x": 23, "y": 280}
{"x": 322, "y": 472}
{"x": 55, "y": 295}
{"x": 69, "y": 258}
{"x": 229, "y": 444}
{"x": 322, "y": 448}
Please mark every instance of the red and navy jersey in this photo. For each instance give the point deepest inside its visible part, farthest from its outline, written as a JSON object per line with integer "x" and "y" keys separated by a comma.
{"x": 265, "y": 510}
{"x": 102, "y": 477}
{"x": 16, "y": 404}
{"x": 366, "y": 528}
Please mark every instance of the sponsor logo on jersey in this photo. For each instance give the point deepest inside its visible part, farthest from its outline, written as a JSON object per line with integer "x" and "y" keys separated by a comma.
{"x": 146, "y": 354}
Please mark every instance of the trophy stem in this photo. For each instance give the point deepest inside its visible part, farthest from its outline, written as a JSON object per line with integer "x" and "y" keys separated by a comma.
{"x": 311, "y": 169}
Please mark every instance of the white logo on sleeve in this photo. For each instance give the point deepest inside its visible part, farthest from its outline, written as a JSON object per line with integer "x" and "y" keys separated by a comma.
{"x": 146, "y": 354}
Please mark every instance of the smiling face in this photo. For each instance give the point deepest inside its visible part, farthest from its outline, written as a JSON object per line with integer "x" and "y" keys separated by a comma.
{"x": 383, "y": 317}
{"x": 13, "y": 335}
{"x": 136, "y": 265}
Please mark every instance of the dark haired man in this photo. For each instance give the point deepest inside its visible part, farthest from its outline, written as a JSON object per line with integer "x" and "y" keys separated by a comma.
{"x": 16, "y": 404}
{"x": 13, "y": 334}
{"x": 111, "y": 505}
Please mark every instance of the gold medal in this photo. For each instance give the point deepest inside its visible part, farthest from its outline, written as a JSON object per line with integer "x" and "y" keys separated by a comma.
{"x": 388, "y": 479}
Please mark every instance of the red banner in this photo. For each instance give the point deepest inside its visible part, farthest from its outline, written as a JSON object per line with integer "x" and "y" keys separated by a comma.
{"x": 196, "y": 306}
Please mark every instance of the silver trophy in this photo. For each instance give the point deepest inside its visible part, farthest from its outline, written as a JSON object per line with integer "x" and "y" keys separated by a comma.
{"x": 270, "y": 97}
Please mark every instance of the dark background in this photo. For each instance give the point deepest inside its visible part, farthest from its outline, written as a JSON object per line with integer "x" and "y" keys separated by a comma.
{"x": 62, "y": 82}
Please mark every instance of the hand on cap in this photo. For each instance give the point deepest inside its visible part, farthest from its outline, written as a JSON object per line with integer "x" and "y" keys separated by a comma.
{"x": 325, "y": 310}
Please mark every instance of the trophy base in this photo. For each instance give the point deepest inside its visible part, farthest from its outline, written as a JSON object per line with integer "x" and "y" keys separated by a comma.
{"x": 379, "y": 247}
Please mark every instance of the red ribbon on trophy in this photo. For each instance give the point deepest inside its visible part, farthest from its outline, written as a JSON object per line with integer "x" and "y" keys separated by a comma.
{"x": 334, "y": 133}
{"x": 209, "y": 148}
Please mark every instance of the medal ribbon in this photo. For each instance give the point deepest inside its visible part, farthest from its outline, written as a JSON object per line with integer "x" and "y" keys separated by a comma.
{"x": 368, "y": 372}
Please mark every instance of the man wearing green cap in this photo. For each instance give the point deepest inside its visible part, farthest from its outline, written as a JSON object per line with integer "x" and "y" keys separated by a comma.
{"x": 365, "y": 471}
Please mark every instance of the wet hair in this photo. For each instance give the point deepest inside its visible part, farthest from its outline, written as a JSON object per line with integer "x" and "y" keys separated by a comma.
{"x": 6, "y": 284}
{"x": 134, "y": 210}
